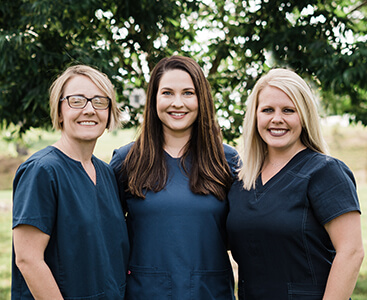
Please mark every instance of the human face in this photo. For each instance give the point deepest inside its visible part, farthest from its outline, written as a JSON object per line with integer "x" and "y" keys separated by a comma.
{"x": 86, "y": 124}
{"x": 278, "y": 122}
{"x": 177, "y": 103}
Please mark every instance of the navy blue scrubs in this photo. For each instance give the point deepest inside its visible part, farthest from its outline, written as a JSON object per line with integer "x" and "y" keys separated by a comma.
{"x": 88, "y": 248}
{"x": 178, "y": 240}
{"x": 276, "y": 232}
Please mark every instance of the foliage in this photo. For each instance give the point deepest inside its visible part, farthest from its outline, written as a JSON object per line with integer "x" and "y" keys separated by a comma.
{"x": 234, "y": 41}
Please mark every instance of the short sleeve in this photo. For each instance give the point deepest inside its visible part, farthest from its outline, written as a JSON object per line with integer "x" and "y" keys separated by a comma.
{"x": 34, "y": 197}
{"x": 233, "y": 159}
{"x": 332, "y": 190}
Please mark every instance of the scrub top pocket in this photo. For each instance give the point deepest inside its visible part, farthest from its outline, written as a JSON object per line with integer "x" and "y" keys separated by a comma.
{"x": 148, "y": 283}
{"x": 297, "y": 291}
{"x": 211, "y": 285}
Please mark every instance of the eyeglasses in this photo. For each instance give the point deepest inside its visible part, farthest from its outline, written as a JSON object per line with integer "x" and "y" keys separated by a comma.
{"x": 79, "y": 102}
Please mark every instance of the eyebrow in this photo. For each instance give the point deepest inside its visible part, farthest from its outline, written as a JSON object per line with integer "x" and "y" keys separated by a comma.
{"x": 169, "y": 88}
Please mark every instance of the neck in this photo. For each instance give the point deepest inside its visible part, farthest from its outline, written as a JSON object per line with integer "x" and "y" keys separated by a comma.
{"x": 174, "y": 145}
{"x": 80, "y": 151}
{"x": 278, "y": 159}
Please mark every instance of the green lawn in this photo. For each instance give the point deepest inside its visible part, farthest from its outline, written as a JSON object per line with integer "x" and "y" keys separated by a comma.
{"x": 360, "y": 292}
{"x": 349, "y": 144}
{"x": 5, "y": 244}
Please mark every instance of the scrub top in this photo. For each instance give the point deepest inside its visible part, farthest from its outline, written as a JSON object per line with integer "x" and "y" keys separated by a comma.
{"x": 276, "y": 231}
{"x": 88, "y": 247}
{"x": 178, "y": 239}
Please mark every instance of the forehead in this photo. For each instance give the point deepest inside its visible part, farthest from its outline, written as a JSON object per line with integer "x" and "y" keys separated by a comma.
{"x": 82, "y": 85}
{"x": 273, "y": 96}
{"x": 176, "y": 78}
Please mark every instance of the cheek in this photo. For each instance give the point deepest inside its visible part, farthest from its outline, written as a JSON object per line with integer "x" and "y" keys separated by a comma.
{"x": 259, "y": 122}
{"x": 159, "y": 109}
{"x": 105, "y": 114}
{"x": 297, "y": 123}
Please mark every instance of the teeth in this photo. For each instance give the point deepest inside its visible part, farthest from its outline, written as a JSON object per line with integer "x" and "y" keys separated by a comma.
{"x": 280, "y": 131}
{"x": 177, "y": 114}
{"x": 87, "y": 123}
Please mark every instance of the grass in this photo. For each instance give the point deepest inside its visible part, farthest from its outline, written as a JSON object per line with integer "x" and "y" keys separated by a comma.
{"x": 5, "y": 244}
{"x": 346, "y": 143}
{"x": 360, "y": 292}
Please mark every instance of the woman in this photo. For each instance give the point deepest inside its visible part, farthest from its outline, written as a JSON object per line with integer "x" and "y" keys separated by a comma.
{"x": 70, "y": 237}
{"x": 175, "y": 179}
{"x": 294, "y": 221}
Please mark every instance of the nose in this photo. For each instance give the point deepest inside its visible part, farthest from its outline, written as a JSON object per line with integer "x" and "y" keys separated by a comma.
{"x": 277, "y": 117}
{"x": 88, "y": 109}
{"x": 177, "y": 102}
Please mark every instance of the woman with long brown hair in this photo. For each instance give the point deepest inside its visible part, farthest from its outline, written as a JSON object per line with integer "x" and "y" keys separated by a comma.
{"x": 174, "y": 181}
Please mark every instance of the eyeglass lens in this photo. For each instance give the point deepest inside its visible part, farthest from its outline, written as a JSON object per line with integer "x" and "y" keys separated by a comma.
{"x": 81, "y": 102}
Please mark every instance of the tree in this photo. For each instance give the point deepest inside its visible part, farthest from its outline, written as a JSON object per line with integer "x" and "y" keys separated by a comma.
{"x": 40, "y": 38}
{"x": 324, "y": 41}
{"x": 234, "y": 41}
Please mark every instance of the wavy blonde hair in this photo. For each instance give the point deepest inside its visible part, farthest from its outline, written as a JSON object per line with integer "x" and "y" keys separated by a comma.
{"x": 254, "y": 148}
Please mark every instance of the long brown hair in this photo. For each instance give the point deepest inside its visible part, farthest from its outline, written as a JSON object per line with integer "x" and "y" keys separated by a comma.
{"x": 145, "y": 167}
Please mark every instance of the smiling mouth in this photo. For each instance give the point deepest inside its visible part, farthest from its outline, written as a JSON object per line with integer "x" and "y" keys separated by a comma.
{"x": 176, "y": 114}
{"x": 278, "y": 132}
{"x": 88, "y": 123}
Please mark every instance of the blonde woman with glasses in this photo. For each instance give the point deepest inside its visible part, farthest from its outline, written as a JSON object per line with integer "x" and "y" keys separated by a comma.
{"x": 69, "y": 232}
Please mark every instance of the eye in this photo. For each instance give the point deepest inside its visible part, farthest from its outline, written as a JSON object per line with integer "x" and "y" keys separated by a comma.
{"x": 76, "y": 100}
{"x": 99, "y": 101}
{"x": 289, "y": 110}
{"x": 267, "y": 110}
{"x": 189, "y": 93}
{"x": 167, "y": 93}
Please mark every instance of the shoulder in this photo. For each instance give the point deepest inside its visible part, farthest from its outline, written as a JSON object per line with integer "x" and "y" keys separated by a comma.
{"x": 119, "y": 156}
{"x": 318, "y": 163}
{"x": 232, "y": 158}
{"x": 324, "y": 173}
{"x": 229, "y": 150}
{"x": 40, "y": 168}
{"x": 122, "y": 152}
{"x": 47, "y": 159}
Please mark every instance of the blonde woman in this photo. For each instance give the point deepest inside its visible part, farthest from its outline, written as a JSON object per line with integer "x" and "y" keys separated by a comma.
{"x": 294, "y": 222}
{"x": 69, "y": 232}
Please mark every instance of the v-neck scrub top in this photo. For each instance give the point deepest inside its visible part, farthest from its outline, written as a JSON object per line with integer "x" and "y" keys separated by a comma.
{"x": 276, "y": 231}
{"x": 178, "y": 239}
{"x": 88, "y": 247}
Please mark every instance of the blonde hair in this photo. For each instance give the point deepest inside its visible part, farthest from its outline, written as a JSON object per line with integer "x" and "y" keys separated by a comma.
{"x": 254, "y": 148}
{"x": 98, "y": 78}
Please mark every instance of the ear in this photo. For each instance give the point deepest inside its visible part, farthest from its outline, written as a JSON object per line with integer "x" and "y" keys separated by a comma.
{"x": 109, "y": 117}
{"x": 61, "y": 118}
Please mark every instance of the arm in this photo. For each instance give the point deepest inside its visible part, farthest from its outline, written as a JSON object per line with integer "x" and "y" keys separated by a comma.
{"x": 345, "y": 234}
{"x": 29, "y": 246}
